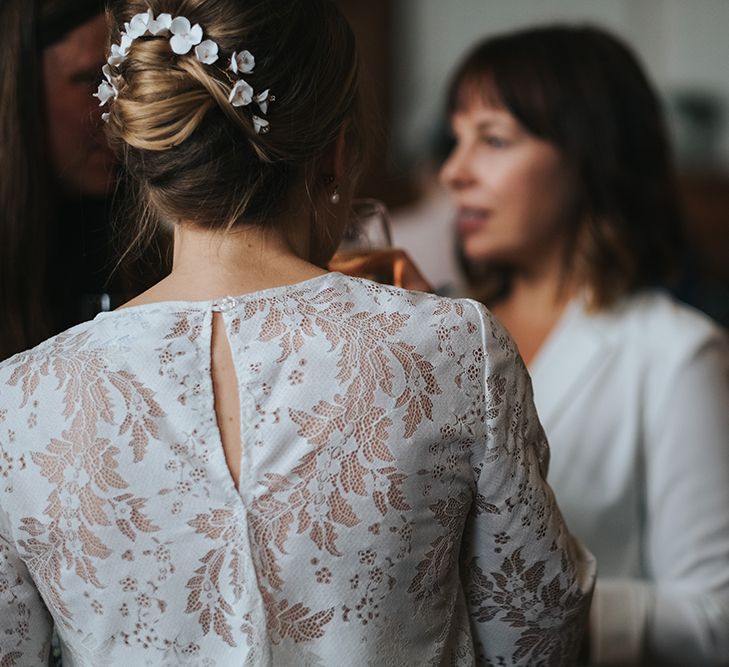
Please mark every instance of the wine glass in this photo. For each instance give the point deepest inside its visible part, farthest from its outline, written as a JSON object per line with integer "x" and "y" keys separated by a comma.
{"x": 368, "y": 228}
{"x": 365, "y": 250}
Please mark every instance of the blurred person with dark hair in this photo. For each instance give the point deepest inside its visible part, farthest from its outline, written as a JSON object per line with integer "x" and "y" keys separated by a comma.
{"x": 56, "y": 170}
{"x": 568, "y": 218}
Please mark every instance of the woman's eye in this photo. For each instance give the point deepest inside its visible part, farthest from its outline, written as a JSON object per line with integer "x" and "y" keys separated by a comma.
{"x": 493, "y": 141}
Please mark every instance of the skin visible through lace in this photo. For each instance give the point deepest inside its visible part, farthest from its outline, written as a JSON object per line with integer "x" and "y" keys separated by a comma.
{"x": 226, "y": 400}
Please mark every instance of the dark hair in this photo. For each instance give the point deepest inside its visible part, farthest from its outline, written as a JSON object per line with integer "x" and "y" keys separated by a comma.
{"x": 27, "y": 185}
{"x": 191, "y": 154}
{"x": 24, "y": 210}
{"x": 39, "y": 219}
{"x": 583, "y": 90}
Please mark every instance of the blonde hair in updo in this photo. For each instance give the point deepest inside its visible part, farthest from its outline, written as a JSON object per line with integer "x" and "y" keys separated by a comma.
{"x": 188, "y": 152}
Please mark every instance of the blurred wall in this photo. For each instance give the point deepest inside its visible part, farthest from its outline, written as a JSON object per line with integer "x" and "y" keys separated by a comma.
{"x": 683, "y": 43}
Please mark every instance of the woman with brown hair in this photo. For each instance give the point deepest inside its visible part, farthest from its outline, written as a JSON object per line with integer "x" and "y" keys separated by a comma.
{"x": 55, "y": 169}
{"x": 256, "y": 461}
{"x": 56, "y": 174}
{"x": 568, "y": 219}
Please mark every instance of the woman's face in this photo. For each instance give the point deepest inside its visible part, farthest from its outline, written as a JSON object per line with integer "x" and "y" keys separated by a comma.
{"x": 513, "y": 190}
{"x": 80, "y": 157}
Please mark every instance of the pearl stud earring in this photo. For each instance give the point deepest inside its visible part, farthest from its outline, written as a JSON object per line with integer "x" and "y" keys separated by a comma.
{"x": 335, "y": 197}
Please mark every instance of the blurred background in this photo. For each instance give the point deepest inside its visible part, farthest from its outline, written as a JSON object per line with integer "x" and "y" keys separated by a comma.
{"x": 410, "y": 47}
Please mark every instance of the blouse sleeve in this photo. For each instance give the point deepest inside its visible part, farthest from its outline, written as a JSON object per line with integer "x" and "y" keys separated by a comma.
{"x": 682, "y": 616}
{"x": 528, "y": 583}
{"x": 25, "y": 625}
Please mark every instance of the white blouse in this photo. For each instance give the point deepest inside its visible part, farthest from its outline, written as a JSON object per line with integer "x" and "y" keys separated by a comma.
{"x": 635, "y": 403}
{"x": 392, "y": 508}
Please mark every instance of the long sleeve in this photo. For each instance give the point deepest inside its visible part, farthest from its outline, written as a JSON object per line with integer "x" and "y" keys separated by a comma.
{"x": 681, "y": 617}
{"x": 528, "y": 583}
{"x": 25, "y": 626}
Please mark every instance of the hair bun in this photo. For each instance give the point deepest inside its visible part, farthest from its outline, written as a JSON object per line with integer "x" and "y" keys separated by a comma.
{"x": 190, "y": 119}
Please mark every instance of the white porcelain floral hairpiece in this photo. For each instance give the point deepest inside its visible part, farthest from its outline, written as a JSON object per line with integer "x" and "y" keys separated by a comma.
{"x": 183, "y": 38}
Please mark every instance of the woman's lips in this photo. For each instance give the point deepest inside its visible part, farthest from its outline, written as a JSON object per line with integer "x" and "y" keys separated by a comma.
{"x": 471, "y": 220}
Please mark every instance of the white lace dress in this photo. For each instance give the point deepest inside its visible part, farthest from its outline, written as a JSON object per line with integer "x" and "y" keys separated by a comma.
{"x": 392, "y": 507}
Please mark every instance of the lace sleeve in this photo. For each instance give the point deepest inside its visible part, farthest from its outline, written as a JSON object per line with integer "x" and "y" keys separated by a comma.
{"x": 25, "y": 625}
{"x": 528, "y": 582}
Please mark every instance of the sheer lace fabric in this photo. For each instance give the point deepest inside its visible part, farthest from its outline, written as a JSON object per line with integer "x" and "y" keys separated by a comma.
{"x": 392, "y": 506}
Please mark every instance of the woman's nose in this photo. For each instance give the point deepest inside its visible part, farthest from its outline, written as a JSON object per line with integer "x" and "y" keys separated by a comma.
{"x": 454, "y": 173}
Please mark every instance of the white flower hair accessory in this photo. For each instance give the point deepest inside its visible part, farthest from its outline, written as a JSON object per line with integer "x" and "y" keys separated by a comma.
{"x": 137, "y": 26}
{"x": 260, "y": 124}
{"x": 207, "y": 52}
{"x": 107, "y": 89}
{"x": 262, "y": 100}
{"x": 241, "y": 95}
{"x": 183, "y": 38}
{"x": 163, "y": 23}
{"x": 119, "y": 52}
{"x": 242, "y": 62}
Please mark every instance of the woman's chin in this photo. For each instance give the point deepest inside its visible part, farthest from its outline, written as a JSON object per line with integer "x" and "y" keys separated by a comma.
{"x": 477, "y": 253}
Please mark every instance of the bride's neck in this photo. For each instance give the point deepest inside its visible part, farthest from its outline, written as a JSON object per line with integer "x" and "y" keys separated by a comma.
{"x": 249, "y": 256}
{"x": 211, "y": 264}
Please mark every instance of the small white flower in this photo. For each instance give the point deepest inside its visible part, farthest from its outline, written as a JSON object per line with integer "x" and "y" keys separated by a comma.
{"x": 241, "y": 94}
{"x": 207, "y": 52}
{"x": 107, "y": 91}
{"x": 243, "y": 62}
{"x": 108, "y": 74}
{"x": 262, "y": 99}
{"x": 117, "y": 57}
{"x": 105, "y": 116}
{"x": 137, "y": 27}
{"x": 260, "y": 125}
{"x": 160, "y": 24}
{"x": 119, "y": 52}
{"x": 184, "y": 37}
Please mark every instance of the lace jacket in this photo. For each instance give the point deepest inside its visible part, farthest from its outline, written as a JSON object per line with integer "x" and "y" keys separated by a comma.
{"x": 392, "y": 507}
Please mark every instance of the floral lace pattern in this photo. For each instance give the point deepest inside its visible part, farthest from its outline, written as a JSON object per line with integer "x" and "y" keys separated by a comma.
{"x": 392, "y": 504}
